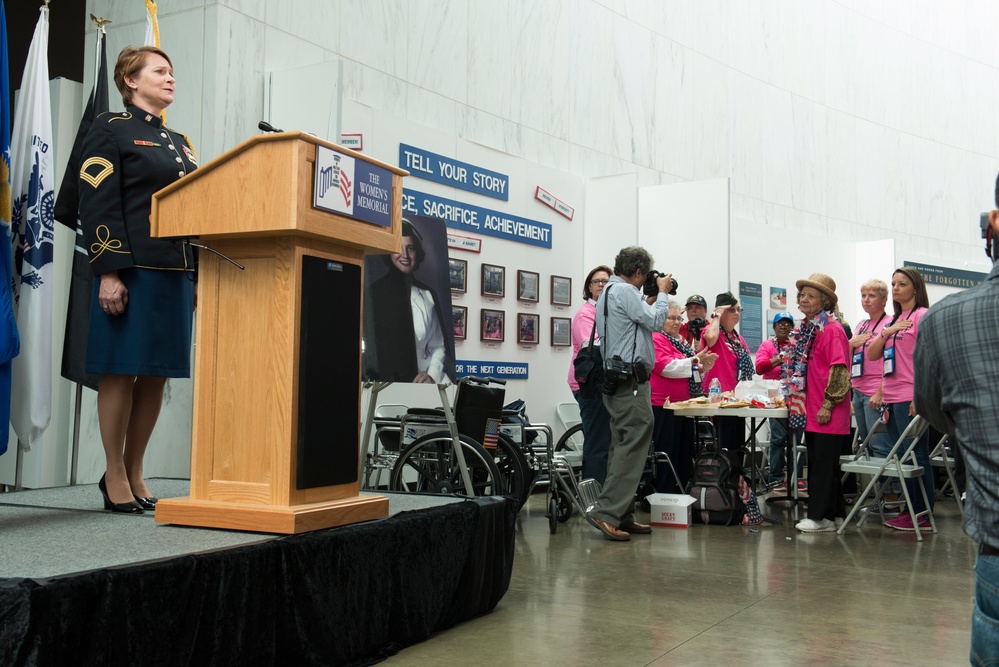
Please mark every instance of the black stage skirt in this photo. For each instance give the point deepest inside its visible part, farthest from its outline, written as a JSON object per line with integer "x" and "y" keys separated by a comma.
{"x": 153, "y": 336}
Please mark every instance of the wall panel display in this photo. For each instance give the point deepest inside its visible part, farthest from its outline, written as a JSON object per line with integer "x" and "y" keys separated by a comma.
{"x": 561, "y": 291}
{"x": 493, "y": 280}
{"x": 492, "y": 325}
{"x": 459, "y": 319}
{"x": 527, "y": 328}
{"x": 458, "y": 273}
{"x": 528, "y": 284}
{"x": 561, "y": 331}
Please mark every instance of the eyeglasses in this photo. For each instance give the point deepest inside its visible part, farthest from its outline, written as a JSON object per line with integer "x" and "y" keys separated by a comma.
{"x": 599, "y": 281}
{"x": 673, "y": 319}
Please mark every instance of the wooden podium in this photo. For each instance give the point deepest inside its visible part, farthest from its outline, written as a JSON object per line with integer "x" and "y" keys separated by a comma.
{"x": 278, "y": 345}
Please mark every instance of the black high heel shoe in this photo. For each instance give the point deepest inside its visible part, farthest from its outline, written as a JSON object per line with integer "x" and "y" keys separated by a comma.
{"x": 123, "y": 508}
{"x": 148, "y": 504}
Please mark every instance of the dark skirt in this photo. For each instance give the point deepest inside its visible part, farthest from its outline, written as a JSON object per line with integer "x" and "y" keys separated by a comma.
{"x": 153, "y": 336}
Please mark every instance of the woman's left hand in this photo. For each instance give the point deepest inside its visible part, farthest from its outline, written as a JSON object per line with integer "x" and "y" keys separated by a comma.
{"x": 823, "y": 416}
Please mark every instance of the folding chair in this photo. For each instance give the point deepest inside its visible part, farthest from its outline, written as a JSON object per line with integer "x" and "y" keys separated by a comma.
{"x": 940, "y": 458}
{"x": 568, "y": 414}
{"x": 902, "y": 467}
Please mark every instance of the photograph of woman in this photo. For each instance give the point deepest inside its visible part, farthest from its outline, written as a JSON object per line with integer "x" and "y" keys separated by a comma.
{"x": 143, "y": 291}
{"x": 404, "y": 340}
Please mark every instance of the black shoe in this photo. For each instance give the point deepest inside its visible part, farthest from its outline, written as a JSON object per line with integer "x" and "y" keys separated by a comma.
{"x": 146, "y": 503}
{"x": 124, "y": 508}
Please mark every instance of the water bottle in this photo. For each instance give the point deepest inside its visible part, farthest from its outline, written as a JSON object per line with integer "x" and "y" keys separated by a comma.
{"x": 714, "y": 391}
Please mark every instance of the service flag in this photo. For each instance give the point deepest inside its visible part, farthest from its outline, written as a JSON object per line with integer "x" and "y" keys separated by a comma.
{"x": 10, "y": 342}
{"x": 74, "y": 351}
{"x": 33, "y": 224}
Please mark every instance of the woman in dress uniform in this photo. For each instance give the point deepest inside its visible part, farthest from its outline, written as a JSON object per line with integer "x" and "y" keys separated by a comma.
{"x": 143, "y": 291}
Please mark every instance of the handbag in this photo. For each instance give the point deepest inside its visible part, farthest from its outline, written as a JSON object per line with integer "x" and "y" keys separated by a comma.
{"x": 588, "y": 368}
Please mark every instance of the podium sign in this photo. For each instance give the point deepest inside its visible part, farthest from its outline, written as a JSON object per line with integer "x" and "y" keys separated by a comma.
{"x": 354, "y": 188}
{"x": 277, "y": 365}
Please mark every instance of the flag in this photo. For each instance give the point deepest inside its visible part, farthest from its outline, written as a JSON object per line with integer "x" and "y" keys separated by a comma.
{"x": 152, "y": 26}
{"x": 153, "y": 34}
{"x": 74, "y": 351}
{"x": 33, "y": 225}
{"x": 491, "y": 438}
{"x": 10, "y": 342}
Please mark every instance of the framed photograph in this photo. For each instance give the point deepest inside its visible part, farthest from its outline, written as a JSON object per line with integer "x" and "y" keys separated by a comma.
{"x": 561, "y": 291}
{"x": 459, "y": 319}
{"x": 527, "y": 328}
{"x": 527, "y": 286}
{"x": 492, "y": 325}
{"x": 458, "y": 272}
{"x": 561, "y": 331}
{"x": 493, "y": 280}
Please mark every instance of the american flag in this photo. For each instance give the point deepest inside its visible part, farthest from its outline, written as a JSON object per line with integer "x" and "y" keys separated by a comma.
{"x": 492, "y": 434}
{"x": 345, "y": 185}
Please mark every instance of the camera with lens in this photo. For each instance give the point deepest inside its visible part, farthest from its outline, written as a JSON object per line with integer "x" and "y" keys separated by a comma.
{"x": 696, "y": 326}
{"x": 651, "y": 288}
{"x": 616, "y": 370}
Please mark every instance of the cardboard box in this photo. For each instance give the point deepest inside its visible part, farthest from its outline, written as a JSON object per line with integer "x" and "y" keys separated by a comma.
{"x": 671, "y": 510}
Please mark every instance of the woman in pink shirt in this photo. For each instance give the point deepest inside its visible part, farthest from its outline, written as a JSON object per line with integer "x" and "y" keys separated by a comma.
{"x": 596, "y": 421}
{"x": 895, "y": 346}
{"x": 734, "y": 363}
{"x": 818, "y": 367}
{"x": 865, "y": 374}
{"x": 676, "y": 376}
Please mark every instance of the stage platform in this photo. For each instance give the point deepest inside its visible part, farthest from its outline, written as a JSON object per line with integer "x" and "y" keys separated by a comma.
{"x": 82, "y": 586}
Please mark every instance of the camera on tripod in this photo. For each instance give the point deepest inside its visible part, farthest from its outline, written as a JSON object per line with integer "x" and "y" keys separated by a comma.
{"x": 651, "y": 288}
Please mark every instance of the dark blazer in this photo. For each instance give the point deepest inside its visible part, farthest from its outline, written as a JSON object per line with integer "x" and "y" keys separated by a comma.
{"x": 126, "y": 157}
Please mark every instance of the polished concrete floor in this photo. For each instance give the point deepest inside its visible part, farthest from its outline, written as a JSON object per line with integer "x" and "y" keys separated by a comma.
{"x": 718, "y": 596}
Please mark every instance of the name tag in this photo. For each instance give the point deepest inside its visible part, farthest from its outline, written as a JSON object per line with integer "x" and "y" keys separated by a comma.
{"x": 889, "y": 361}
{"x": 857, "y": 364}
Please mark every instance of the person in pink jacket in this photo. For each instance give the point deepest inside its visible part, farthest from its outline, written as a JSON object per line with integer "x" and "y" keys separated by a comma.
{"x": 676, "y": 376}
{"x": 596, "y": 421}
{"x": 769, "y": 358}
{"x": 818, "y": 368}
{"x": 896, "y": 346}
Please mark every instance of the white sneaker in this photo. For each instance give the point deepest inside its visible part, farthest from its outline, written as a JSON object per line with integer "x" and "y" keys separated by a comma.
{"x": 809, "y": 526}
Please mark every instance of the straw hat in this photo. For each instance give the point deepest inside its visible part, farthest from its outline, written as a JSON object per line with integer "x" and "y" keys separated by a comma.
{"x": 822, "y": 283}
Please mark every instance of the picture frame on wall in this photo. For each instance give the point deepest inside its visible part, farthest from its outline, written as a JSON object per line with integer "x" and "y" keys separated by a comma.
{"x": 458, "y": 273}
{"x": 459, "y": 319}
{"x": 561, "y": 331}
{"x": 528, "y": 286}
{"x": 493, "y": 280}
{"x": 561, "y": 291}
{"x": 527, "y": 328}
{"x": 492, "y": 325}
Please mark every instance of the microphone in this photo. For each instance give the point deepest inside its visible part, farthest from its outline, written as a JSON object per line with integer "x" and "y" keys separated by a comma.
{"x": 264, "y": 126}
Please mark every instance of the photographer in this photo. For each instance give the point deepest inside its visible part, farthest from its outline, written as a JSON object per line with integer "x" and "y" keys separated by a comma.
{"x": 697, "y": 311}
{"x": 626, "y": 332}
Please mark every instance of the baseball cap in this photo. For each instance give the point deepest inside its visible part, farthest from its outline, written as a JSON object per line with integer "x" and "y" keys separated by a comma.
{"x": 783, "y": 316}
{"x": 696, "y": 299}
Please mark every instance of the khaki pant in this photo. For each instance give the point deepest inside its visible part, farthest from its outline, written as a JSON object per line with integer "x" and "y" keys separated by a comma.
{"x": 630, "y": 409}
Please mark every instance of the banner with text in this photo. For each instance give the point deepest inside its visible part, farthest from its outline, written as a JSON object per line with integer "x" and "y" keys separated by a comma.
{"x": 944, "y": 275}
{"x": 504, "y": 370}
{"x": 459, "y": 215}
{"x": 448, "y": 171}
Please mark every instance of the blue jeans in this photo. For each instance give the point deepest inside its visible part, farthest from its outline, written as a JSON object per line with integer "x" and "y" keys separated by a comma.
{"x": 985, "y": 618}
{"x": 778, "y": 432}
{"x": 866, "y": 418}
{"x": 898, "y": 420}
{"x": 596, "y": 436}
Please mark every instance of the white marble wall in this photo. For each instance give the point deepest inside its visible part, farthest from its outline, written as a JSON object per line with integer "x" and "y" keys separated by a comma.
{"x": 854, "y": 119}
